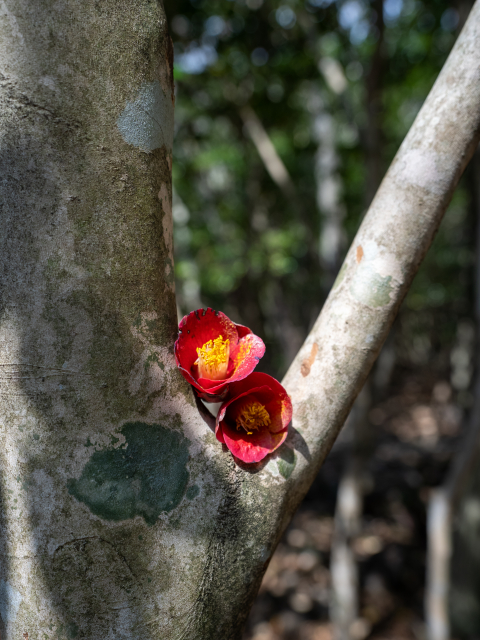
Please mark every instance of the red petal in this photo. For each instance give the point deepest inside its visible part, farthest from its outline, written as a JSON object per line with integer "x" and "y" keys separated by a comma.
{"x": 242, "y": 331}
{"x": 252, "y": 448}
{"x": 195, "y": 330}
{"x": 210, "y": 397}
{"x": 274, "y": 409}
{"x": 219, "y": 433}
{"x": 199, "y": 327}
{"x": 254, "y": 380}
{"x": 280, "y": 411}
{"x": 245, "y": 356}
{"x": 269, "y": 392}
{"x": 203, "y": 325}
{"x": 207, "y": 384}
{"x": 252, "y": 385}
{"x": 235, "y": 405}
{"x": 233, "y": 397}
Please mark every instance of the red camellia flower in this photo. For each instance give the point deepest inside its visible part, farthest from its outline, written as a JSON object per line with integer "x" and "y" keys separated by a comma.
{"x": 212, "y": 352}
{"x": 254, "y": 422}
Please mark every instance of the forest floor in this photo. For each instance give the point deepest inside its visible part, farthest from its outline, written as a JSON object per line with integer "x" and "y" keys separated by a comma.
{"x": 416, "y": 431}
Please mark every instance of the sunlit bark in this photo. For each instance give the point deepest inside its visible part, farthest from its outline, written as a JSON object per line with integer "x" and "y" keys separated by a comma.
{"x": 122, "y": 517}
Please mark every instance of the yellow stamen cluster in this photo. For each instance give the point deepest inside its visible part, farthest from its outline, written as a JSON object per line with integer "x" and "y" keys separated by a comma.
{"x": 252, "y": 417}
{"x": 213, "y": 359}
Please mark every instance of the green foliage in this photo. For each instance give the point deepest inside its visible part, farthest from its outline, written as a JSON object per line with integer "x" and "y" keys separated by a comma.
{"x": 241, "y": 244}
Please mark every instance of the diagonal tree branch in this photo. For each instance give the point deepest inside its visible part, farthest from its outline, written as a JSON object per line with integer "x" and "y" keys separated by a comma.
{"x": 397, "y": 231}
{"x": 127, "y": 518}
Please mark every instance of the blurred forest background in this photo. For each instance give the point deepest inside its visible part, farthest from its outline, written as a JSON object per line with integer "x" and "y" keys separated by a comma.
{"x": 288, "y": 113}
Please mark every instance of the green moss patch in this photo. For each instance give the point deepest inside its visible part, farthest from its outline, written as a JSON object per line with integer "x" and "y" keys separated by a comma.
{"x": 286, "y": 461}
{"x": 145, "y": 476}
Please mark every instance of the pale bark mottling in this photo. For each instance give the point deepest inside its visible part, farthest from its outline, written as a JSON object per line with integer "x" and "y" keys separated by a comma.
{"x": 386, "y": 252}
{"x": 121, "y": 516}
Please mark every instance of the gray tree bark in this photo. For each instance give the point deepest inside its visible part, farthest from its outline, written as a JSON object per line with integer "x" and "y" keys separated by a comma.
{"x": 344, "y": 608}
{"x": 446, "y": 502}
{"x": 121, "y": 515}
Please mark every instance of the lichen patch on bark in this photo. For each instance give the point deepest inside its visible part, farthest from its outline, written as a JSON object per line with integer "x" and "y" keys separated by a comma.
{"x": 420, "y": 169}
{"x": 371, "y": 288}
{"x": 376, "y": 275}
{"x": 144, "y": 477}
{"x": 147, "y": 121}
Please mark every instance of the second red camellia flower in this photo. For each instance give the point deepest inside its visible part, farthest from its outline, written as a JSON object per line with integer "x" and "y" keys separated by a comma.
{"x": 212, "y": 352}
{"x": 254, "y": 422}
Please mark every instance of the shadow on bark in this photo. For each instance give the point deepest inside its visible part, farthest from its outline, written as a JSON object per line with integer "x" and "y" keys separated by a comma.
{"x": 94, "y": 582}
{"x": 90, "y": 556}
{"x": 9, "y": 600}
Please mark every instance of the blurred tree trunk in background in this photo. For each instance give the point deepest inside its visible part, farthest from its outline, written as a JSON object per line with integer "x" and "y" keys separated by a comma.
{"x": 344, "y": 611}
{"x": 373, "y": 141}
{"x": 328, "y": 194}
{"x": 455, "y": 512}
{"x": 274, "y": 305}
{"x": 121, "y": 515}
{"x": 452, "y": 593}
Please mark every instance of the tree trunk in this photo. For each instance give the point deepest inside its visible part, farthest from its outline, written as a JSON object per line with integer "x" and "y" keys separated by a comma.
{"x": 344, "y": 605}
{"x": 373, "y": 135}
{"x": 452, "y": 593}
{"x": 121, "y": 515}
{"x": 344, "y": 609}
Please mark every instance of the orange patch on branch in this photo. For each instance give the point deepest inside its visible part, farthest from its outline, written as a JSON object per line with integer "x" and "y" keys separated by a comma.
{"x": 307, "y": 363}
